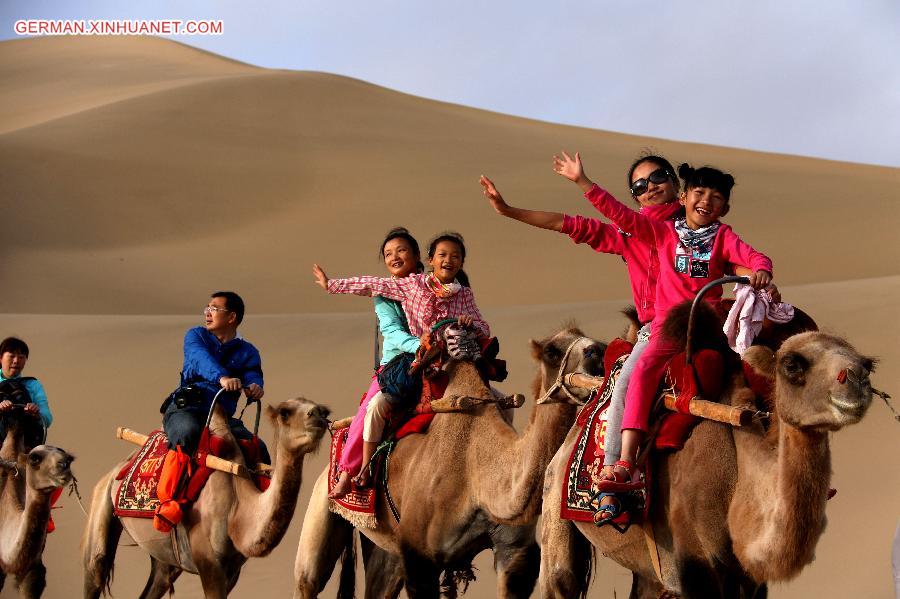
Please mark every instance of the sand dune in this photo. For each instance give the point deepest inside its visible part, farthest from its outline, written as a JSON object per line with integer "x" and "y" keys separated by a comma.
{"x": 138, "y": 175}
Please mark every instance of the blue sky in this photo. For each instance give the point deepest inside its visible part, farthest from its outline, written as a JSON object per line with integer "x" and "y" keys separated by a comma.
{"x": 800, "y": 77}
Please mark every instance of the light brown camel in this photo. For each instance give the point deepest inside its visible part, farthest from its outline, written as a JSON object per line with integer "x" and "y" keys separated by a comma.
{"x": 26, "y": 483}
{"x": 737, "y": 507}
{"x": 230, "y": 522}
{"x": 454, "y": 486}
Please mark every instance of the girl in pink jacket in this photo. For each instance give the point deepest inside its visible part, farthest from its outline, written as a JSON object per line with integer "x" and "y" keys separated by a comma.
{"x": 693, "y": 250}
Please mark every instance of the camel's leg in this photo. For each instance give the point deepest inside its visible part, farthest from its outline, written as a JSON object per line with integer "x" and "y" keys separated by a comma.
{"x": 517, "y": 559}
{"x": 32, "y": 584}
{"x": 384, "y": 571}
{"x": 213, "y": 578}
{"x": 422, "y": 576}
{"x": 646, "y": 588}
{"x": 162, "y": 577}
{"x": 324, "y": 537}
{"x": 566, "y": 556}
{"x": 100, "y": 540}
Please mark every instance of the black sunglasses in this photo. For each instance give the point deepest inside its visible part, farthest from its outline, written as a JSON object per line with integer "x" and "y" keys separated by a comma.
{"x": 658, "y": 176}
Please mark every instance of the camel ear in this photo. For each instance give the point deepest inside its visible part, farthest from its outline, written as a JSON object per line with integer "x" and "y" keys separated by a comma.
{"x": 761, "y": 359}
{"x": 536, "y": 349}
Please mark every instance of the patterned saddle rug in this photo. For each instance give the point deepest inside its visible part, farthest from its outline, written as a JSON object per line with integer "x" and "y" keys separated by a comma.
{"x": 358, "y": 506}
{"x": 579, "y": 500}
{"x": 136, "y": 497}
{"x": 579, "y": 496}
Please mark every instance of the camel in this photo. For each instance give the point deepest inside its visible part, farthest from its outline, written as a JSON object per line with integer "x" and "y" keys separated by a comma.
{"x": 469, "y": 484}
{"x": 736, "y": 508}
{"x": 26, "y": 484}
{"x": 230, "y": 522}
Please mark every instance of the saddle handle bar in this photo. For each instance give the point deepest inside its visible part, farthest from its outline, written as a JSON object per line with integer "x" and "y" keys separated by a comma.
{"x": 689, "y": 344}
{"x": 20, "y": 408}
{"x": 215, "y": 400}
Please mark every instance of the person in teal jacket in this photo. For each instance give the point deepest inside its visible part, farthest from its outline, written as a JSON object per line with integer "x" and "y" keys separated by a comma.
{"x": 24, "y": 391}
{"x": 400, "y": 252}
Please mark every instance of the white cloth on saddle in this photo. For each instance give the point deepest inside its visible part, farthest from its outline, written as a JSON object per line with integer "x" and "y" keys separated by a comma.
{"x": 462, "y": 343}
{"x": 750, "y": 309}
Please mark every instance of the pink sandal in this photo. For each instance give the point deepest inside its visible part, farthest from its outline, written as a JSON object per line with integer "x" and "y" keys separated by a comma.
{"x": 620, "y": 483}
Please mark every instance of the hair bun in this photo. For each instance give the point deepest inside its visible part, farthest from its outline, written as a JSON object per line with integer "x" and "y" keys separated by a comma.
{"x": 729, "y": 180}
{"x": 398, "y": 231}
{"x": 685, "y": 170}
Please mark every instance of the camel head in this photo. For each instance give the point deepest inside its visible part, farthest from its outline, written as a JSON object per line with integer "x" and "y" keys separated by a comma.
{"x": 48, "y": 468}
{"x": 568, "y": 351}
{"x": 299, "y": 424}
{"x": 821, "y": 382}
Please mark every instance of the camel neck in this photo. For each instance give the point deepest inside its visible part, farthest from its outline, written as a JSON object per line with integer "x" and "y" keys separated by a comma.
{"x": 517, "y": 464}
{"x": 262, "y": 517}
{"x": 23, "y": 537}
{"x": 779, "y": 512}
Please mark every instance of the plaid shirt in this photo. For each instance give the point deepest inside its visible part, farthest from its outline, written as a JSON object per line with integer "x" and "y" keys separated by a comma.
{"x": 421, "y": 306}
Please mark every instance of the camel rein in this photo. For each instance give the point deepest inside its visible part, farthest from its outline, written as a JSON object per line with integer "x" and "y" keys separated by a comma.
{"x": 560, "y": 382}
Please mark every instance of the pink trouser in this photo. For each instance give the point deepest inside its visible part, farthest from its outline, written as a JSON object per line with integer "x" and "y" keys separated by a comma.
{"x": 644, "y": 383}
{"x": 351, "y": 456}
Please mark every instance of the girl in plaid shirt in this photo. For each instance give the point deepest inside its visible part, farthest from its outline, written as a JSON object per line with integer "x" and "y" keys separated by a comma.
{"x": 426, "y": 299}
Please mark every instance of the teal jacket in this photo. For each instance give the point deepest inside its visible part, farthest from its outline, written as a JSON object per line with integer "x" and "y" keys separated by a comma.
{"x": 38, "y": 396}
{"x": 394, "y": 330}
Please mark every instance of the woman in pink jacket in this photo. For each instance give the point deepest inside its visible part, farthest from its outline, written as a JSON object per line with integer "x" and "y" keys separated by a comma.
{"x": 654, "y": 188}
{"x": 693, "y": 249}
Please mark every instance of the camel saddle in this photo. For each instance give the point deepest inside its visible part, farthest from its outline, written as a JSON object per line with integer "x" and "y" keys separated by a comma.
{"x": 579, "y": 496}
{"x": 136, "y": 497}
{"x": 358, "y": 506}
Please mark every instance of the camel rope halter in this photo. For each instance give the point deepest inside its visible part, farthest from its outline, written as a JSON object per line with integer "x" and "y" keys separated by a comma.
{"x": 560, "y": 382}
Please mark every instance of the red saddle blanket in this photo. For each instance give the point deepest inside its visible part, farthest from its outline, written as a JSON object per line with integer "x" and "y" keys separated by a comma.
{"x": 136, "y": 497}
{"x": 586, "y": 460}
{"x": 583, "y": 469}
{"x": 358, "y": 506}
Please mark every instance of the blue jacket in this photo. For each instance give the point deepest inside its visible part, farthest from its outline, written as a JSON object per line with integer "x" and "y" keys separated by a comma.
{"x": 206, "y": 360}
{"x": 38, "y": 396}
{"x": 392, "y": 323}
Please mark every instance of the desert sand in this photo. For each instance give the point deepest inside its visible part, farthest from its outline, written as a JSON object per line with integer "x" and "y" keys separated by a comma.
{"x": 139, "y": 175}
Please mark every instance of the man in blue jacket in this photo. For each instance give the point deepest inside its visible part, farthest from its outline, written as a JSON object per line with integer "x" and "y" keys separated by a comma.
{"x": 215, "y": 358}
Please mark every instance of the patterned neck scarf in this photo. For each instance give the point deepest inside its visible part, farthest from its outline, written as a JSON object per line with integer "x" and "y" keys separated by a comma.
{"x": 699, "y": 240}
{"x": 442, "y": 290}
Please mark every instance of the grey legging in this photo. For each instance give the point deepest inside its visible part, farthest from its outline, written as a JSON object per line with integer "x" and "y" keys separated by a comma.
{"x": 613, "y": 440}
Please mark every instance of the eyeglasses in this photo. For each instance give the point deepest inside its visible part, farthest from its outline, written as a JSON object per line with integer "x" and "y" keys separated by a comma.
{"x": 659, "y": 176}
{"x": 209, "y": 309}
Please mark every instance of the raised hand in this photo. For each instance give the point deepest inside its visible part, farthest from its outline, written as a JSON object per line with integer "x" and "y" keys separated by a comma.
{"x": 491, "y": 193}
{"x": 568, "y": 167}
{"x": 321, "y": 277}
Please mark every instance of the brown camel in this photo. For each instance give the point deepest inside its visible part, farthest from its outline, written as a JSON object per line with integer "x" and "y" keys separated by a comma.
{"x": 26, "y": 483}
{"x": 737, "y": 507}
{"x": 469, "y": 484}
{"x": 230, "y": 522}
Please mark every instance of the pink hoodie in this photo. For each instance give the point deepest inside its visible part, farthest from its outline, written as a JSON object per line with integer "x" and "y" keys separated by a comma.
{"x": 641, "y": 258}
{"x": 674, "y": 287}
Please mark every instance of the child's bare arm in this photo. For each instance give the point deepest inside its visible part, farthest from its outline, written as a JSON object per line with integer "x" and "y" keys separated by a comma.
{"x": 535, "y": 218}
{"x": 572, "y": 169}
